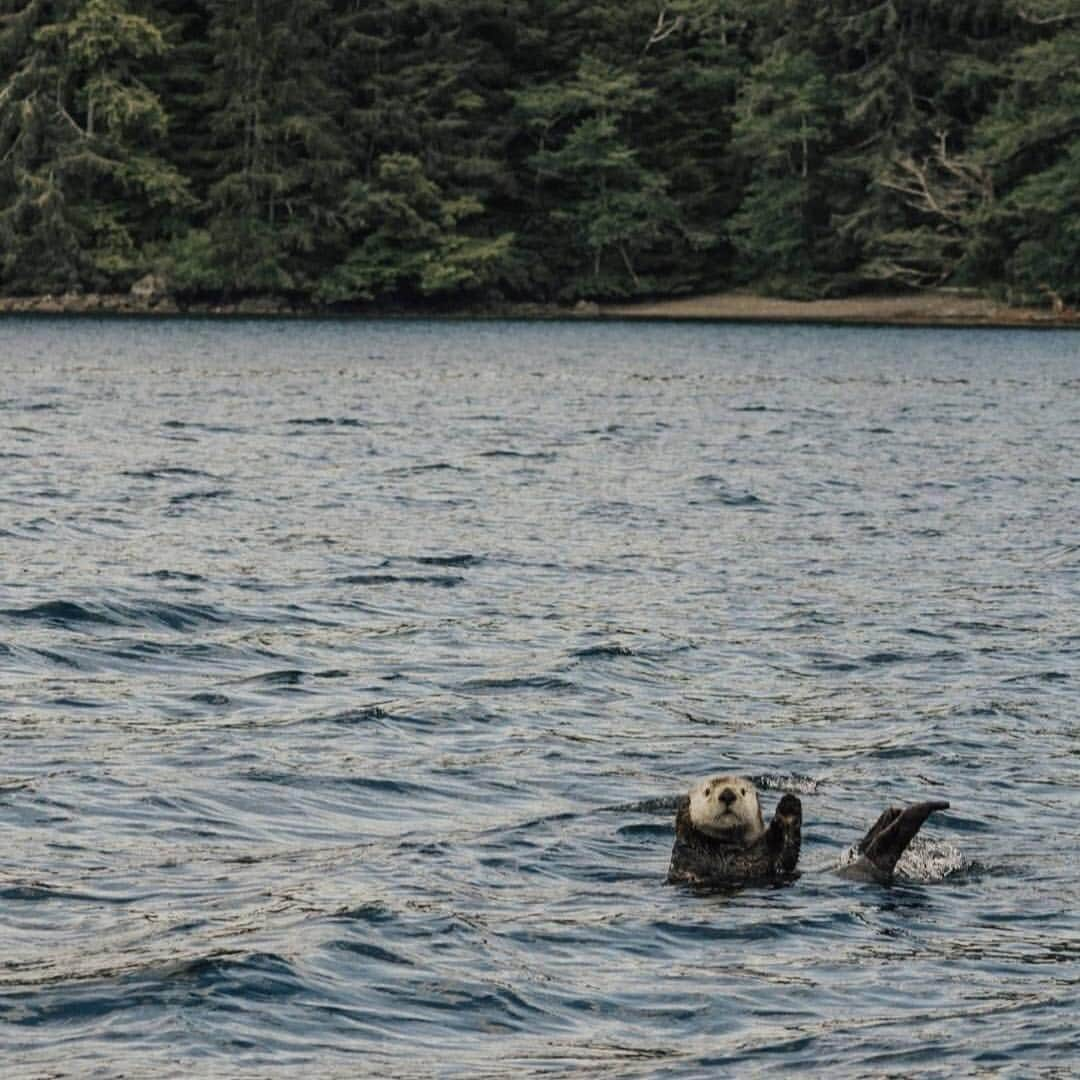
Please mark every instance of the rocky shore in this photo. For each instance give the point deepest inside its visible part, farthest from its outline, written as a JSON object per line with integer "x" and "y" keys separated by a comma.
{"x": 129, "y": 304}
{"x": 939, "y": 308}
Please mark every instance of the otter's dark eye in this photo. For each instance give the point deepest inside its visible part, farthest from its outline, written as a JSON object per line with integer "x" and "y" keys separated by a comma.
{"x": 707, "y": 790}
{"x": 742, "y": 791}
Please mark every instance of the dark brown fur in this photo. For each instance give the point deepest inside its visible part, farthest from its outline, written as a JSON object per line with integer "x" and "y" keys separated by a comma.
{"x": 700, "y": 859}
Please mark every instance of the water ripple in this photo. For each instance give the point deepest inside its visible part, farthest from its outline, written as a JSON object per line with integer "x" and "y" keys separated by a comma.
{"x": 351, "y": 673}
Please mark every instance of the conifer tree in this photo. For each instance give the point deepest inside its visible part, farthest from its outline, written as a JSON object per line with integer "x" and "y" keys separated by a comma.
{"x": 611, "y": 206}
{"x": 274, "y": 115}
{"x": 694, "y": 58}
{"x": 1031, "y": 141}
{"x": 431, "y": 82}
{"x": 915, "y": 79}
{"x": 783, "y": 129}
{"x": 82, "y": 183}
{"x": 408, "y": 239}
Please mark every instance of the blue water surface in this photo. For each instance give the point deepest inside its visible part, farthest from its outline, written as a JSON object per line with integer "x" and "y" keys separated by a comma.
{"x": 349, "y": 672}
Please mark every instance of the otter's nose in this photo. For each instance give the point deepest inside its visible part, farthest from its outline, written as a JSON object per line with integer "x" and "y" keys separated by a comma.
{"x": 727, "y": 796}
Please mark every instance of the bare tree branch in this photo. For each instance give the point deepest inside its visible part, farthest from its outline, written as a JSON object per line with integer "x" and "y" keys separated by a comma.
{"x": 1044, "y": 20}
{"x": 664, "y": 28}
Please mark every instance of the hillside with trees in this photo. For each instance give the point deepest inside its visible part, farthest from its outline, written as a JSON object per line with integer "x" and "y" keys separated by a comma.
{"x": 433, "y": 153}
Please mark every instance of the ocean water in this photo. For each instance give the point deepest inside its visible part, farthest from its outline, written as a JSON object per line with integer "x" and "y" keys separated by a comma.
{"x": 349, "y": 673}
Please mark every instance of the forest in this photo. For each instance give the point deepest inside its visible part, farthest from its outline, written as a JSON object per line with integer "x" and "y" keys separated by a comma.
{"x": 425, "y": 153}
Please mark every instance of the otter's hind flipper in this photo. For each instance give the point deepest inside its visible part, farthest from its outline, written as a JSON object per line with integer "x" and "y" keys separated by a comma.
{"x": 890, "y": 835}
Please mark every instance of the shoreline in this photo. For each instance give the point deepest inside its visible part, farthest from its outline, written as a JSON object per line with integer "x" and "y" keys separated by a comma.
{"x": 939, "y": 308}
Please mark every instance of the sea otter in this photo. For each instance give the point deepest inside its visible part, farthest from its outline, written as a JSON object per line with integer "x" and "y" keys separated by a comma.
{"x": 721, "y": 838}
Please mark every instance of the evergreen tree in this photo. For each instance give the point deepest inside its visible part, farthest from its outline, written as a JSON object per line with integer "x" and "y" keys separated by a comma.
{"x": 784, "y": 130}
{"x": 694, "y": 59}
{"x": 409, "y": 241}
{"x": 431, "y": 81}
{"x": 82, "y": 185}
{"x": 275, "y": 122}
{"x": 611, "y": 205}
{"x": 1032, "y": 142}
{"x": 916, "y": 78}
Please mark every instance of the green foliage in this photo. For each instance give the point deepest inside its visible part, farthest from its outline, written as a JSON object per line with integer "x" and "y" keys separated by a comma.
{"x": 1031, "y": 142}
{"x": 770, "y": 231}
{"x": 610, "y": 206}
{"x": 81, "y": 182}
{"x": 409, "y": 239}
{"x": 276, "y": 137}
{"x": 415, "y": 151}
{"x": 918, "y": 77}
{"x": 191, "y": 263}
{"x": 783, "y": 117}
{"x": 783, "y": 128}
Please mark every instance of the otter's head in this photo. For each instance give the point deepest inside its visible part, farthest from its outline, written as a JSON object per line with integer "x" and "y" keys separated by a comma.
{"x": 726, "y": 808}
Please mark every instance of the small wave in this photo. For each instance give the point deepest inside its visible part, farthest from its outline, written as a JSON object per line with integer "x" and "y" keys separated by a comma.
{"x": 448, "y": 560}
{"x": 524, "y": 455}
{"x": 60, "y": 613}
{"x": 66, "y": 614}
{"x": 830, "y": 663}
{"x": 644, "y": 829}
{"x": 371, "y": 952}
{"x": 209, "y": 698}
{"x": 196, "y": 496}
{"x": 382, "y": 788}
{"x": 173, "y": 616}
{"x": 726, "y": 495}
{"x": 520, "y": 682}
{"x": 1040, "y": 676}
{"x": 173, "y": 575}
{"x": 166, "y": 472}
{"x": 363, "y": 715}
{"x": 285, "y": 677}
{"x": 257, "y": 976}
{"x": 28, "y": 893}
{"x": 59, "y": 658}
{"x": 792, "y": 782}
{"x": 918, "y": 631}
{"x": 419, "y": 470}
{"x": 881, "y": 658}
{"x": 213, "y": 429}
{"x": 442, "y": 581}
{"x": 327, "y": 421}
{"x": 33, "y": 892}
{"x": 602, "y": 652}
{"x": 660, "y": 804}
{"x": 493, "y": 1007}
{"x": 369, "y": 913}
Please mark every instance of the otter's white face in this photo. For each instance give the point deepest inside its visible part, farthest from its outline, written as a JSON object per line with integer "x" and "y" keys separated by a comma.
{"x": 726, "y": 807}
